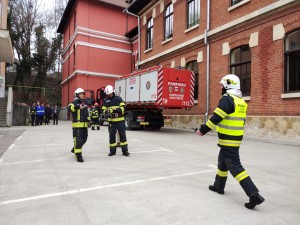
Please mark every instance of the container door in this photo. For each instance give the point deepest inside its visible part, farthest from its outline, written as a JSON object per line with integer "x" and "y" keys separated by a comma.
{"x": 120, "y": 88}
{"x": 132, "y": 89}
{"x": 148, "y": 91}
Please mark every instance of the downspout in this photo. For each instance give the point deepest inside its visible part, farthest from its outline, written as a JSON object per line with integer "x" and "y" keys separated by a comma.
{"x": 207, "y": 60}
{"x": 139, "y": 43}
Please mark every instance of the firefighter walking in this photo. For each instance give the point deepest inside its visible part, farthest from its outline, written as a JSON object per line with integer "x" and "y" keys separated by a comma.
{"x": 114, "y": 107}
{"x": 80, "y": 120}
{"x": 229, "y": 120}
{"x": 94, "y": 112}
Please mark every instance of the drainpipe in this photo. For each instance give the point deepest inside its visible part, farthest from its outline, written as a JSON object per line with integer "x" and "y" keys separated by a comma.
{"x": 139, "y": 43}
{"x": 207, "y": 60}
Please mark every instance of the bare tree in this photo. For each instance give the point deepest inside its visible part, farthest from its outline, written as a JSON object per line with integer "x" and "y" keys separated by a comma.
{"x": 22, "y": 19}
{"x": 36, "y": 51}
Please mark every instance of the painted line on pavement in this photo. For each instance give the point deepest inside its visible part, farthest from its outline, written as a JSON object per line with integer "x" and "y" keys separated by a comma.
{"x": 76, "y": 191}
{"x": 19, "y": 138}
{"x": 11, "y": 147}
{"x": 213, "y": 166}
{"x": 85, "y": 156}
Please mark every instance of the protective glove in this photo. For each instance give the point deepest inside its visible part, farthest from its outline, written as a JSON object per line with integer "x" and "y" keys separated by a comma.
{"x": 118, "y": 110}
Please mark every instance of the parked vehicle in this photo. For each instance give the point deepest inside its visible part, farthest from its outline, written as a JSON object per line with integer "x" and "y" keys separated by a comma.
{"x": 147, "y": 92}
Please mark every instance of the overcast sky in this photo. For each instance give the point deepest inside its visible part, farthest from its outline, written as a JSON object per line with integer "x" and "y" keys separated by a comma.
{"x": 47, "y": 3}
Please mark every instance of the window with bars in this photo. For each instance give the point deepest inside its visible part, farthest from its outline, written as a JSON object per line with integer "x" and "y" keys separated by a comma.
{"x": 193, "y": 66}
{"x": 240, "y": 65}
{"x": 168, "y": 18}
{"x": 193, "y": 12}
{"x": 149, "y": 34}
{"x": 292, "y": 62}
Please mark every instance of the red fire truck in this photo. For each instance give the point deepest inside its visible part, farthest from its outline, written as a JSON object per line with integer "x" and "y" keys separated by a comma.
{"x": 147, "y": 92}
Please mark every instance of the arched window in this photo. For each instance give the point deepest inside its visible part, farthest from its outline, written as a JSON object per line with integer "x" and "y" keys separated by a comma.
{"x": 193, "y": 66}
{"x": 149, "y": 35}
{"x": 292, "y": 62}
{"x": 193, "y": 12}
{"x": 240, "y": 65}
{"x": 168, "y": 17}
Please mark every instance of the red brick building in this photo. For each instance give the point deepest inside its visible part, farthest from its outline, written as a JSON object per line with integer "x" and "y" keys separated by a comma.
{"x": 257, "y": 40}
{"x": 99, "y": 45}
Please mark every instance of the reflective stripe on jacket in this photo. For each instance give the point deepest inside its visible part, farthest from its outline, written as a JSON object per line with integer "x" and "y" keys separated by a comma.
{"x": 115, "y": 108}
{"x": 231, "y": 128}
{"x": 80, "y": 117}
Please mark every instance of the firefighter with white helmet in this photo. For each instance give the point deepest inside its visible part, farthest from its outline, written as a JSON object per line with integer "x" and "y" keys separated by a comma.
{"x": 229, "y": 120}
{"x": 80, "y": 121}
{"x": 114, "y": 107}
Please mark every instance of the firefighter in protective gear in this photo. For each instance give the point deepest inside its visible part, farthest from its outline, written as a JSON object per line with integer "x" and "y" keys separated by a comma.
{"x": 229, "y": 120}
{"x": 33, "y": 113}
{"x": 94, "y": 113}
{"x": 80, "y": 120}
{"x": 114, "y": 107}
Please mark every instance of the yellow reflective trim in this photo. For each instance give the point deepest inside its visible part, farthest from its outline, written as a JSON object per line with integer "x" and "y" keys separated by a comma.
{"x": 231, "y": 127}
{"x": 241, "y": 176}
{"x": 210, "y": 124}
{"x": 72, "y": 107}
{"x": 222, "y": 173}
{"x": 117, "y": 119}
{"x": 123, "y": 143}
{"x": 113, "y": 145}
{"x": 229, "y": 143}
{"x": 79, "y": 124}
{"x": 220, "y": 112}
{"x": 78, "y": 114}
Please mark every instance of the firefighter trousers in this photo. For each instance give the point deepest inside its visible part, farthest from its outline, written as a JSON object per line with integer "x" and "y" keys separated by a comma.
{"x": 121, "y": 128}
{"x": 229, "y": 159}
{"x": 80, "y": 136}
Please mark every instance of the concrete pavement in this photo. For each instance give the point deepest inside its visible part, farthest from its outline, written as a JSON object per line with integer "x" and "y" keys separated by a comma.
{"x": 163, "y": 182}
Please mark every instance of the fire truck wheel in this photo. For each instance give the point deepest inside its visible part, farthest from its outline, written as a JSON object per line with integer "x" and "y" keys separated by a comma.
{"x": 128, "y": 120}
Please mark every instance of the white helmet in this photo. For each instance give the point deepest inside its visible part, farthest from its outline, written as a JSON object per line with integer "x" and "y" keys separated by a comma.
{"x": 231, "y": 81}
{"x": 78, "y": 90}
{"x": 109, "y": 89}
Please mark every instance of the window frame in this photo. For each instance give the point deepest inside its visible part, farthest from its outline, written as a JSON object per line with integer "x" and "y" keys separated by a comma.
{"x": 232, "y": 2}
{"x": 241, "y": 63}
{"x": 189, "y": 22}
{"x": 194, "y": 64}
{"x": 149, "y": 33}
{"x": 168, "y": 18}
{"x": 291, "y": 54}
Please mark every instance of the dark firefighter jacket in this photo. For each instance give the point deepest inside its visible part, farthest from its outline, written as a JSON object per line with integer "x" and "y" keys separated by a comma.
{"x": 80, "y": 117}
{"x": 114, "y": 107}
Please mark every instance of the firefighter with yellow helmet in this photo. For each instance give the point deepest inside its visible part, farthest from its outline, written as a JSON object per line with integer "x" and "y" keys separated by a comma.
{"x": 80, "y": 121}
{"x": 229, "y": 120}
{"x": 114, "y": 107}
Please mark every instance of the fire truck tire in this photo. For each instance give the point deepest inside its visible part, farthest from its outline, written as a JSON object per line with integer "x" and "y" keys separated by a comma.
{"x": 128, "y": 120}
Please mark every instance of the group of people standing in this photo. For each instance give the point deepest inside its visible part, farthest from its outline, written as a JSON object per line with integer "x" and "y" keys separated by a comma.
{"x": 228, "y": 119}
{"x": 41, "y": 114}
{"x": 113, "y": 106}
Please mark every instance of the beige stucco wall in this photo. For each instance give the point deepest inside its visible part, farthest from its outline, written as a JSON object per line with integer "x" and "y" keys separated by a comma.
{"x": 274, "y": 127}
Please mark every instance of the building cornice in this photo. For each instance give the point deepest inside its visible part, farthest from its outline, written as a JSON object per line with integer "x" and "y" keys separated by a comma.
{"x": 89, "y": 73}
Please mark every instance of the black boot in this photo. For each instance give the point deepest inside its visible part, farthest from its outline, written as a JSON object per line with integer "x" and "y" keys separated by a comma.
{"x": 254, "y": 200}
{"x": 111, "y": 154}
{"x": 126, "y": 153}
{"x": 72, "y": 150}
{"x": 213, "y": 188}
{"x": 79, "y": 157}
